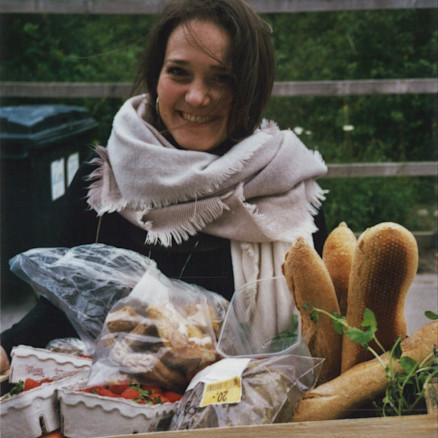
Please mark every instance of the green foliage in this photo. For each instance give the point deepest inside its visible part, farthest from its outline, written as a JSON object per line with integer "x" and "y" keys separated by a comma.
{"x": 287, "y": 337}
{"x": 339, "y": 45}
{"x": 406, "y": 378}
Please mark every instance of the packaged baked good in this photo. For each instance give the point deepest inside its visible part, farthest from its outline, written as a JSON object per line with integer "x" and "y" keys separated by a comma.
{"x": 245, "y": 391}
{"x": 163, "y": 332}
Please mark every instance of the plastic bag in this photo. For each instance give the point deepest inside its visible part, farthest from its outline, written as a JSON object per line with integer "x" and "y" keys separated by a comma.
{"x": 263, "y": 375}
{"x": 242, "y": 335}
{"x": 83, "y": 281}
{"x": 263, "y": 391}
{"x": 162, "y": 333}
{"x": 72, "y": 346}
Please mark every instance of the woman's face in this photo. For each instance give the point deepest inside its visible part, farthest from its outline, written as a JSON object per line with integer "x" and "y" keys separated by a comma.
{"x": 194, "y": 86}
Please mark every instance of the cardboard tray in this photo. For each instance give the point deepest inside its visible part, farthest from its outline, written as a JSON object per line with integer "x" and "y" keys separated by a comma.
{"x": 90, "y": 415}
{"x": 34, "y": 412}
{"x": 39, "y": 363}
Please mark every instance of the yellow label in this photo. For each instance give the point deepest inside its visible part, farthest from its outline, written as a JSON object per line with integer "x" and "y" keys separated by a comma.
{"x": 227, "y": 391}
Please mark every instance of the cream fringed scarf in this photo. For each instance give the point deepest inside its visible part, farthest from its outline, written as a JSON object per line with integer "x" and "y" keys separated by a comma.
{"x": 261, "y": 191}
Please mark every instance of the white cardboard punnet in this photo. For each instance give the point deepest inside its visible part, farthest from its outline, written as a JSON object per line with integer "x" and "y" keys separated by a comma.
{"x": 39, "y": 363}
{"x": 90, "y": 415}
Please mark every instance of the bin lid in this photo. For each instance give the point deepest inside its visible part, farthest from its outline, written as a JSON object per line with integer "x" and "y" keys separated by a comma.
{"x": 28, "y": 126}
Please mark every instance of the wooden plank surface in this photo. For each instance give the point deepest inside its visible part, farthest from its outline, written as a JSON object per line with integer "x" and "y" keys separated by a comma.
{"x": 424, "y": 426}
{"x": 281, "y": 89}
{"x": 356, "y": 87}
{"x": 366, "y": 170}
{"x": 154, "y": 6}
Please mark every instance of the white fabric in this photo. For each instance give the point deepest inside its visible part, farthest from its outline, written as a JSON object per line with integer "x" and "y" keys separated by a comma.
{"x": 261, "y": 190}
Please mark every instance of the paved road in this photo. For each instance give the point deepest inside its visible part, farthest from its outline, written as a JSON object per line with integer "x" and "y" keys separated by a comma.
{"x": 422, "y": 296}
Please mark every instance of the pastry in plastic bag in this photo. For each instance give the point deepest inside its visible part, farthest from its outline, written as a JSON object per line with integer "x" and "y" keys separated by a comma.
{"x": 270, "y": 390}
{"x": 164, "y": 332}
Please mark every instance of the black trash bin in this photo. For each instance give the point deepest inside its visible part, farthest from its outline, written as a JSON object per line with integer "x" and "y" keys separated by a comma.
{"x": 41, "y": 147}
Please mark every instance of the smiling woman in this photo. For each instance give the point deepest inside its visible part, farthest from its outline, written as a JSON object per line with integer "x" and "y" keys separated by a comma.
{"x": 191, "y": 176}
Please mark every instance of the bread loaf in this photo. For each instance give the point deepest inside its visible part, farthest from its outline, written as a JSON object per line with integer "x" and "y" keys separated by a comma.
{"x": 362, "y": 383}
{"x": 384, "y": 264}
{"x": 309, "y": 282}
{"x": 337, "y": 255}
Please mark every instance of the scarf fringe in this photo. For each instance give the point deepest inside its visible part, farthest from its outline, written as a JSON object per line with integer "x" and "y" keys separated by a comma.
{"x": 183, "y": 231}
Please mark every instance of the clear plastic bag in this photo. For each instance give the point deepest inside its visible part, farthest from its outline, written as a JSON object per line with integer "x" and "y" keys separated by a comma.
{"x": 244, "y": 335}
{"x": 278, "y": 368}
{"x": 83, "y": 281}
{"x": 270, "y": 390}
{"x": 162, "y": 333}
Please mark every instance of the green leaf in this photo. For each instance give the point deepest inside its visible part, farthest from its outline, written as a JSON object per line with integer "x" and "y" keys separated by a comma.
{"x": 314, "y": 317}
{"x": 307, "y": 306}
{"x": 339, "y": 323}
{"x": 431, "y": 315}
{"x": 396, "y": 349}
{"x": 369, "y": 320}
{"x": 361, "y": 337}
{"x": 408, "y": 364}
{"x": 287, "y": 337}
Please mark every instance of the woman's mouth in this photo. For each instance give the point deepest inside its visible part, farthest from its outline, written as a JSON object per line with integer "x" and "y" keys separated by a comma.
{"x": 199, "y": 120}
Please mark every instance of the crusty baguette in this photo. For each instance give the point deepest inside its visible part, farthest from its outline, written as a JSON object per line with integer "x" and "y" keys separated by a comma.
{"x": 362, "y": 383}
{"x": 337, "y": 255}
{"x": 310, "y": 282}
{"x": 384, "y": 265}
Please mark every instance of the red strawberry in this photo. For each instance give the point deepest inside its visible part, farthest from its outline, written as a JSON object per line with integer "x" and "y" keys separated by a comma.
{"x": 46, "y": 380}
{"x": 96, "y": 389}
{"x": 172, "y": 396}
{"x": 158, "y": 398}
{"x": 152, "y": 389}
{"x": 131, "y": 394}
{"x": 106, "y": 393}
{"x": 30, "y": 384}
{"x": 118, "y": 389}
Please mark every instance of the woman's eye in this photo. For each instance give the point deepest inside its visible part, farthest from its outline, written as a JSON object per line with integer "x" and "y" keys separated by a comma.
{"x": 177, "y": 72}
{"x": 223, "y": 79}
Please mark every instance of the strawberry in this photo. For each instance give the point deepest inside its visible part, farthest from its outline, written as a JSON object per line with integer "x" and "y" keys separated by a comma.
{"x": 118, "y": 388}
{"x": 30, "y": 384}
{"x": 131, "y": 394}
{"x": 55, "y": 434}
{"x": 157, "y": 398}
{"x": 96, "y": 389}
{"x": 46, "y": 380}
{"x": 106, "y": 392}
{"x": 152, "y": 389}
{"x": 172, "y": 396}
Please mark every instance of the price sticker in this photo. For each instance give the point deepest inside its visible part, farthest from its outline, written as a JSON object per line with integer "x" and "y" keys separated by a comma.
{"x": 227, "y": 391}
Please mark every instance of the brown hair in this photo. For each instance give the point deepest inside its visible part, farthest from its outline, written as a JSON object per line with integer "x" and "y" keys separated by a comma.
{"x": 251, "y": 56}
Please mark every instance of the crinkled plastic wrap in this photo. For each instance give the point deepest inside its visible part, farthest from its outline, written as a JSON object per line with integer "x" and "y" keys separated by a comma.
{"x": 271, "y": 389}
{"x": 84, "y": 281}
{"x": 72, "y": 346}
{"x": 278, "y": 367}
{"x": 162, "y": 333}
{"x": 245, "y": 335}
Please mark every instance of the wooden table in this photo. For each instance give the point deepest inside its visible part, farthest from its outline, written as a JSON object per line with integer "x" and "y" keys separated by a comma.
{"x": 415, "y": 426}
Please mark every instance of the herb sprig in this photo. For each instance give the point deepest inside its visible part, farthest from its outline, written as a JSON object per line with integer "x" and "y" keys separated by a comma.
{"x": 407, "y": 378}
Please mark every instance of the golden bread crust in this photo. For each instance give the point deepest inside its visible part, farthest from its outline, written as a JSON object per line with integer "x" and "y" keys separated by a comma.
{"x": 309, "y": 282}
{"x": 337, "y": 255}
{"x": 384, "y": 265}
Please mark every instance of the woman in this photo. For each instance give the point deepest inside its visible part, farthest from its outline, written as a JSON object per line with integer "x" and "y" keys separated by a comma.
{"x": 190, "y": 175}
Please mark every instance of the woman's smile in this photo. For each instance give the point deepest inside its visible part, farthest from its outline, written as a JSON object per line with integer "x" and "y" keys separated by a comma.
{"x": 198, "y": 120}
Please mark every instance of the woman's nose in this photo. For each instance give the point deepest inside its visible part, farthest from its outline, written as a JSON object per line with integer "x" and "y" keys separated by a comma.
{"x": 197, "y": 94}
